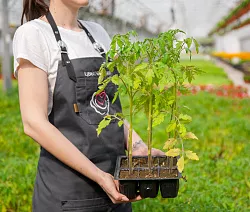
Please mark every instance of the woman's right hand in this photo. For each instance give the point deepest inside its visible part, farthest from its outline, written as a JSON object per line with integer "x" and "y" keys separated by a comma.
{"x": 111, "y": 187}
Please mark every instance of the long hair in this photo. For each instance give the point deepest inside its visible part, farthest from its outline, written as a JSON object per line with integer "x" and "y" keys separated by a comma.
{"x": 33, "y": 9}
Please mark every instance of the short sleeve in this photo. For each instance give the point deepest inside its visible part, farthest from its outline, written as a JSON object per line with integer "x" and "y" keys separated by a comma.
{"x": 99, "y": 34}
{"x": 105, "y": 37}
{"x": 29, "y": 43}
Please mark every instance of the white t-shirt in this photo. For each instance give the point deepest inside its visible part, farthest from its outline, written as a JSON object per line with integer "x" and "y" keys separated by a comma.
{"x": 35, "y": 41}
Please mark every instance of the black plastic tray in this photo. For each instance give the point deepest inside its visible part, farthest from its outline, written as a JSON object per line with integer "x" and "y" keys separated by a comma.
{"x": 148, "y": 187}
{"x": 158, "y": 168}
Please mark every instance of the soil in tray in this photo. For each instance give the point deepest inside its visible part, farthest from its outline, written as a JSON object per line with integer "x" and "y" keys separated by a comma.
{"x": 163, "y": 173}
{"x": 124, "y": 162}
{"x": 168, "y": 173}
{"x": 144, "y": 162}
{"x": 147, "y": 174}
{"x": 168, "y": 162}
{"x": 124, "y": 174}
{"x": 138, "y": 162}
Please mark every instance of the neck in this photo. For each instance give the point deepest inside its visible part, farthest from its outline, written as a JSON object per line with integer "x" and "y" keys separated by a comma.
{"x": 64, "y": 15}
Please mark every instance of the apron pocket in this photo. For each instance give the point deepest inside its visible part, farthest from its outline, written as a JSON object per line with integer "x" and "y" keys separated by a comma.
{"x": 87, "y": 205}
{"x": 92, "y": 107}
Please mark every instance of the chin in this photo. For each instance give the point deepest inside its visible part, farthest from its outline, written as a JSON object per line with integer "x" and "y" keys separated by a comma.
{"x": 81, "y": 3}
{"x": 76, "y": 3}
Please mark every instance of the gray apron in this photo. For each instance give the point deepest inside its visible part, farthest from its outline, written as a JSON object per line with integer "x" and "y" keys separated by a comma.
{"x": 76, "y": 113}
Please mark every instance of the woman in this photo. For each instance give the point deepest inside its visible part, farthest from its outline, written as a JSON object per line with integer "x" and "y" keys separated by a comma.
{"x": 57, "y": 59}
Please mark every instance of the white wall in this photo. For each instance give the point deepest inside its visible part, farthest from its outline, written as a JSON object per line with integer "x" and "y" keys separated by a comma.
{"x": 235, "y": 41}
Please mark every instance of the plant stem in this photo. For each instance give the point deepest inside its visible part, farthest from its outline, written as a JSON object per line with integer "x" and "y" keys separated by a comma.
{"x": 130, "y": 134}
{"x": 150, "y": 113}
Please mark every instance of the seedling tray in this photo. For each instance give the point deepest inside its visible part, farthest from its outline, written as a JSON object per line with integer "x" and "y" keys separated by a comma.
{"x": 164, "y": 174}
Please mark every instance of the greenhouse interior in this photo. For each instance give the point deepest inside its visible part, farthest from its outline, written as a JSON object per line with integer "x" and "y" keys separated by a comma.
{"x": 190, "y": 58}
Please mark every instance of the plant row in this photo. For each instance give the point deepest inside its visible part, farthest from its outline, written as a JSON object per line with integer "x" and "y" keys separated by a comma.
{"x": 234, "y": 15}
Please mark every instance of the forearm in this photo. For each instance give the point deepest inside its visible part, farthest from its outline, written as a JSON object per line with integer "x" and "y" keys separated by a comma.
{"x": 136, "y": 139}
{"x": 50, "y": 138}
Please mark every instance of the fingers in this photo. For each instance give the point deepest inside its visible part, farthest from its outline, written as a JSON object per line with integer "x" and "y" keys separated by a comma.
{"x": 111, "y": 187}
{"x": 157, "y": 152}
{"x": 117, "y": 185}
{"x": 118, "y": 198}
{"x": 138, "y": 198}
{"x": 144, "y": 152}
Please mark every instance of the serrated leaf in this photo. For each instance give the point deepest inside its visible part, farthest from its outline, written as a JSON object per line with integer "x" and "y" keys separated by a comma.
{"x": 188, "y": 41}
{"x": 185, "y": 117}
{"x": 115, "y": 79}
{"x": 104, "y": 123}
{"x": 137, "y": 82}
{"x": 171, "y": 127}
{"x": 173, "y": 152}
{"x": 103, "y": 73}
{"x": 191, "y": 155}
{"x": 158, "y": 119}
{"x": 190, "y": 135}
{"x": 149, "y": 76}
{"x": 170, "y": 143}
{"x": 180, "y": 164}
{"x": 170, "y": 102}
{"x": 182, "y": 130}
{"x": 141, "y": 66}
{"x": 197, "y": 45}
{"x": 115, "y": 96}
{"x": 111, "y": 66}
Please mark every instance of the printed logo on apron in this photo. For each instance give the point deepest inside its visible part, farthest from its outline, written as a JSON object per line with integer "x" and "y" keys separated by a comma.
{"x": 100, "y": 103}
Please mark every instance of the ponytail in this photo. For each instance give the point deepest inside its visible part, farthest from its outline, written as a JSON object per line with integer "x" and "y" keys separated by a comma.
{"x": 33, "y": 9}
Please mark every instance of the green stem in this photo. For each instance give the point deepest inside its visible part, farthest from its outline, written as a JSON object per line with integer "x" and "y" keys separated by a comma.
{"x": 130, "y": 133}
{"x": 175, "y": 104}
{"x": 150, "y": 113}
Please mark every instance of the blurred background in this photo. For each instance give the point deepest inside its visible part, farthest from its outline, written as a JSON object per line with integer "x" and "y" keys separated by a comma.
{"x": 219, "y": 100}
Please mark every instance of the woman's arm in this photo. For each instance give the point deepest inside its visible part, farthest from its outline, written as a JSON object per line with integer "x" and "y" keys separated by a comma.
{"x": 33, "y": 97}
{"x": 138, "y": 146}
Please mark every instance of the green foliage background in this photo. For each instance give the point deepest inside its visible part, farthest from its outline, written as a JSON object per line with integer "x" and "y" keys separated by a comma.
{"x": 218, "y": 182}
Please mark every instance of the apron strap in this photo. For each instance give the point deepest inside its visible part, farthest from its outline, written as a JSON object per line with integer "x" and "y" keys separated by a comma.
{"x": 64, "y": 53}
{"x": 96, "y": 45}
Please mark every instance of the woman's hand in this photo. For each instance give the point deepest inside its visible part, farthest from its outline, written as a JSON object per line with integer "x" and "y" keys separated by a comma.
{"x": 141, "y": 149}
{"x": 111, "y": 187}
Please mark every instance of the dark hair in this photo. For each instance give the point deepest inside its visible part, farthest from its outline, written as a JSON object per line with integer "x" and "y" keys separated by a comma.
{"x": 33, "y": 9}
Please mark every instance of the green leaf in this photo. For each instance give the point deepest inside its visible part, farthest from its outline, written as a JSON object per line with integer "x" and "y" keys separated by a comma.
{"x": 190, "y": 135}
{"x": 182, "y": 130}
{"x": 149, "y": 76}
{"x": 186, "y": 118}
{"x": 103, "y": 124}
{"x": 137, "y": 82}
{"x": 170, "y": 143}
{"x": 162, "y": 83}
{"x": 171, "y": 102}
{"x": 111, "y": 66}
{"x": 165, "y": 58}
{"x": 171, "y": 127}
{"x": 180, "y": 164}
{"x": 115, "y": 96}
{"x": 191, "y": 155}
{"x": 103, "y": 74}
{"x": 173, "y": 152}
{"x": 141, "y": 66}
{"x": 158, "y": 119}
{"x": 120, "y": 123}
{"x": 115, "y": 79}
{"x": 197, "y": 45}
{"x": 188, "y": 41}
